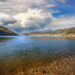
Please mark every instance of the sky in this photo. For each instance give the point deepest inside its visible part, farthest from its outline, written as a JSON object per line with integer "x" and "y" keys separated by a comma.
{"x": 37, "y": 15}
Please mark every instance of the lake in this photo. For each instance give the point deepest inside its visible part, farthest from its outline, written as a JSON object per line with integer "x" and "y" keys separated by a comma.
{"x": 17, "y": 51}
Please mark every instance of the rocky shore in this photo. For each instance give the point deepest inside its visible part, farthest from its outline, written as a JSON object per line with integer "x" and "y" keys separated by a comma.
{"x": 70, "y": 35}
{"x": 63, "y": 66}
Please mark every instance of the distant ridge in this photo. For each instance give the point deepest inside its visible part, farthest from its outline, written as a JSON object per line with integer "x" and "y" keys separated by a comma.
{"x": 65, "y": 31}
{"x": 60, "y": 32}
{"x": 6, "y": 31}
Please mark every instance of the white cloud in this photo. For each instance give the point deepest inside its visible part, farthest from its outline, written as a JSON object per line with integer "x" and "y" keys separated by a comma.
{"x": 50, "y": 5}
{"x": 27, "y": 15}
{"x": 63, "y": 1}
{"x": 33, "y": 17}
{"x": 62, "y": 22}
{"x": 6, "y": 19}
{"x": 20, "y": 6}
{"x": 36, "y": 19}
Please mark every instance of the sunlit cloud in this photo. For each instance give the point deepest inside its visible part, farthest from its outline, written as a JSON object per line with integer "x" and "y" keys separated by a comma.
{"x": 63, "y": 1}
{"x": 33, "y": 15}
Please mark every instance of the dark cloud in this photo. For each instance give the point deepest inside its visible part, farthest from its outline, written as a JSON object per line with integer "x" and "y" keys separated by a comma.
{"x": 31, "y": 28}
{"x": 21, "y": 29}
{"x": 7, "y": 21}
{"x": 3, "y": 0}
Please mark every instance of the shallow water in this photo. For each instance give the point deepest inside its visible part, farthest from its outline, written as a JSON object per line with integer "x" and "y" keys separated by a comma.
{"x": 24, "y": 50}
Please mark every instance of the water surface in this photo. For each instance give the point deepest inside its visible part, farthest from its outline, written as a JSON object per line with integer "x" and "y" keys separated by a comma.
{"x": 26, "y": 51}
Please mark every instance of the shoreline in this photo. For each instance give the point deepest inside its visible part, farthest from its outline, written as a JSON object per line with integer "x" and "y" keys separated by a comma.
{"x": 55, "y": 63}
{"x": 41, "y": 37}
{"x": 55, "y": 35}
{"x": 62, "y": 66}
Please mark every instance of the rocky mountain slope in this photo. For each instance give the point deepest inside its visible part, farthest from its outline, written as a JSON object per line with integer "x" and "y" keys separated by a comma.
{"x": 6, "y": 31}
{"x": 60, "y": 32}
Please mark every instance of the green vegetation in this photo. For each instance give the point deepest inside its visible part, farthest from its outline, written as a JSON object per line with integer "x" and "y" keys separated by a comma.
{"x": 6, "y": 31}
{"x": 65, "y": 31}
{"x": 3, "y": 28}
{"x": 61, "y": 32}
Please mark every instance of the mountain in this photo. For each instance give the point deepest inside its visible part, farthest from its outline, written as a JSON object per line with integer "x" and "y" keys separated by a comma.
{"x": 65, "y": 31}
{"x": 60, "y": 32}
{"x": 6, "y": 31}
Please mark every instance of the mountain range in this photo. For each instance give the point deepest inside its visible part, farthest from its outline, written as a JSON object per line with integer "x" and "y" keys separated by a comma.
{"x": 60, "y": 32}
{"x": 6, "y": 31}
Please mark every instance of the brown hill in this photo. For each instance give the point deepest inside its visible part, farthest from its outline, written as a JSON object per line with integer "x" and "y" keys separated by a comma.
{"x": 61, "y": 32}
{"x": 6, "y": 31}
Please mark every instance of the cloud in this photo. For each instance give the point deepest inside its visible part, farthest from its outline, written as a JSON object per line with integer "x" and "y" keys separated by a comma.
{"x": 31, "y": 20}
{"x": 36, "y": 20}
{"x": 62, "y": 22}
{"x": 3, "y": 0}
{"x": 63, "y": 1}
{"x": 58, "y": 23}
{"x": 20, "y": 6}
{"x": 50, "y": 5}
{"x": 32, "y": 15}
{"x": 6, "y": 19}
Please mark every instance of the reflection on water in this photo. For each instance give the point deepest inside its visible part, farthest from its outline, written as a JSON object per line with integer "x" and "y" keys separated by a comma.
{"x": 24, "y": 50}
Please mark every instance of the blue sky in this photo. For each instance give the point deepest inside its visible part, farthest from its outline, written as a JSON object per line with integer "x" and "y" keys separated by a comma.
{"x": 67, "y": 9}
{"x": 37, "y": 15}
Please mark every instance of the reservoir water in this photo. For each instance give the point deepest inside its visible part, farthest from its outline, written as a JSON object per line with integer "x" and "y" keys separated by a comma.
{"x": 27, "y": 51}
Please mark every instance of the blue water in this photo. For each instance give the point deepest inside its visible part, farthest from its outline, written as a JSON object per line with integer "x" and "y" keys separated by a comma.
{"x": 20, "y": 50}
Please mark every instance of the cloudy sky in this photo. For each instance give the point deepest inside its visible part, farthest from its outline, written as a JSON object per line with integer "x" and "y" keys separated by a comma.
{"x": 37, "y": 15}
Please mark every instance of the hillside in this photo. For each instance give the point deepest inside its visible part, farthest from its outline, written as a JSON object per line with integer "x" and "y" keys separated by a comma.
{"x": 65, "y": 31}
{"x": 6, "y": 31}
{"x": 61, "y": 32}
